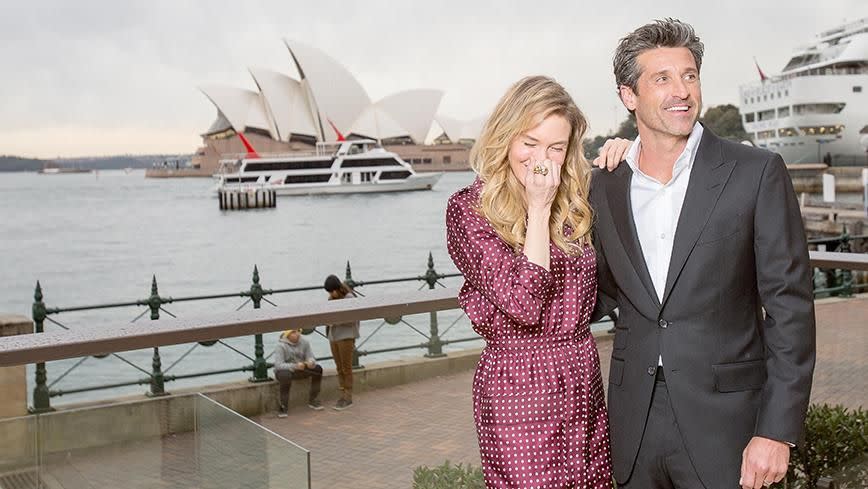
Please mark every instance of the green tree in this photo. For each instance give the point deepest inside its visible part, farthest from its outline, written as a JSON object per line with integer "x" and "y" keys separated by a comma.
{"x": 725, "y": 121}
{"x": 626, "y": 130}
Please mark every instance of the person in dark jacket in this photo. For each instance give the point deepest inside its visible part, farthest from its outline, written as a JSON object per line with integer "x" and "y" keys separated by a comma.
{"x": 342, "y": 339}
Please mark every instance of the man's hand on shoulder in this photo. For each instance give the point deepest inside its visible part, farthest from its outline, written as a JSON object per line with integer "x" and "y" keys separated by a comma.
{"x": 763, "y": 462}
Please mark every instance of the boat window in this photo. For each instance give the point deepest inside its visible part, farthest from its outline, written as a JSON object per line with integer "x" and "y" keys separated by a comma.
{"x": 821, "y": 130}
{"x": 359, "y": 163}
{"x": 241, "y": 179}
{"x": 766, "y": 134}
{"x": 394, "y": 175}
{"x": 447, "y": 159}
{"x": 783, "y": 111}
{"x": 307, "y": 178}
{"x": 749, "y": 117}
{"x": 799, "y": 109}
{"x": 786, "y": 132}
{"x": 288, "y": 165}
{"x": 766, "y": 115}
{"x": 857, "y": 89}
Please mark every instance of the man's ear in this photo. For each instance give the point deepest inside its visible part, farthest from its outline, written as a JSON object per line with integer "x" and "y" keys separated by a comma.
{"x": 628, "y": 97}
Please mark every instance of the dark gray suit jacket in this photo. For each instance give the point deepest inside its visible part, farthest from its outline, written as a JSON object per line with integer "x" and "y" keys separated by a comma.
{"x": 731, "y": 371}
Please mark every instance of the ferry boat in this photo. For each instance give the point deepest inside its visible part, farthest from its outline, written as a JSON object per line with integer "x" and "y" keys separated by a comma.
{"x": 816, "y": 110}
{"x": 348, "y": 166}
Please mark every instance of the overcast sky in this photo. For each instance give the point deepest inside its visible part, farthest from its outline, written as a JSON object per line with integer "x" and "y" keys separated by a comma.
{"x": 97, "y": 78}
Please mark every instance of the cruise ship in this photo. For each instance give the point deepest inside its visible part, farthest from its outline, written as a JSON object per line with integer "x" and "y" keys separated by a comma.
{"x": 816, "y": 110}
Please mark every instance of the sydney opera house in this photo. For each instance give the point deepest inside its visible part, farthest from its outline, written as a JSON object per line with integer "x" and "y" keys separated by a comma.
{"x": 324, "y": 104}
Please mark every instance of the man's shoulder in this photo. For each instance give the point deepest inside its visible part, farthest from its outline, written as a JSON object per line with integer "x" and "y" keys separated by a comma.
{"x": 733, "y": 150}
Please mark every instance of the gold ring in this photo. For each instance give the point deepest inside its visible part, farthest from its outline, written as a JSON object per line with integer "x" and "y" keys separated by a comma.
{"x": 540, "y": 170}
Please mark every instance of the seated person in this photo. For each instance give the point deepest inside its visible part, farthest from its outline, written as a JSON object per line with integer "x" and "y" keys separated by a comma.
{"x": 293, "y": 360}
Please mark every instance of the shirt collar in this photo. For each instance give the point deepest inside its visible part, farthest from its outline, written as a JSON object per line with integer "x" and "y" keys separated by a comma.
{"x": 685, "y": 159}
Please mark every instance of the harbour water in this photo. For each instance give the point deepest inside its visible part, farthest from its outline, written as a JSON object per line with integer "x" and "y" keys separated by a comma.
{"x": 98, "y": 238}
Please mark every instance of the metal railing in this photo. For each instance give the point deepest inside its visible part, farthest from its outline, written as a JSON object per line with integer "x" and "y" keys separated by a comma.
{"x": 155, "y": 307}
{"x": 87, "y": 342}
{"x": 835, "y": 280}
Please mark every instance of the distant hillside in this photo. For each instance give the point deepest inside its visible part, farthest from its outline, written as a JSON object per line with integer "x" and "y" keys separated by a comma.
{"x": 15, "y": 163}
{"x": 115, "y": 162}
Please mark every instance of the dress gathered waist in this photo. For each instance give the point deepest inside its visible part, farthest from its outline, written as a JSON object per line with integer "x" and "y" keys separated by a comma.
{"x": 536, "y": 343}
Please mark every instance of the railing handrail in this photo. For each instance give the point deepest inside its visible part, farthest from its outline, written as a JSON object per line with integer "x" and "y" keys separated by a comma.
{"x": 96, "y": 340}
{"x": 834, "y": 259}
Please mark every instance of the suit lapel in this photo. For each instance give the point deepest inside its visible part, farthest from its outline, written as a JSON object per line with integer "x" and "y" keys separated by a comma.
{"x": 618, "y": 193}
{"x": 708, "y": 177}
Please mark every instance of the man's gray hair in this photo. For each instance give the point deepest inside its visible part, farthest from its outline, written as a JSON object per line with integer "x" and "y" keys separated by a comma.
{"x": 666, "y": 33}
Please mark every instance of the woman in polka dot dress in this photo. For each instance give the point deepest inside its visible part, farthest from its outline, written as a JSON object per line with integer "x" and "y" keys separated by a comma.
{"x": 520, "y": 234}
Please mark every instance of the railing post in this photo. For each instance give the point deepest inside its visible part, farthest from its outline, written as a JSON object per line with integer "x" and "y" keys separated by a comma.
{"x": 846, "y": 274}
{"x": 158, "y": 387}
{"x": 260, "y": 368}
{"x": 41, "y": 397}
{"x": 435, "y": 346}
{"x": 348, "y": 279}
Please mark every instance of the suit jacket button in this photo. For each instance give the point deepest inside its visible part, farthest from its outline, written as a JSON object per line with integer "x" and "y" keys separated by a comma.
{"x": 663, "y": 323}
{"x": 652, "y": 370}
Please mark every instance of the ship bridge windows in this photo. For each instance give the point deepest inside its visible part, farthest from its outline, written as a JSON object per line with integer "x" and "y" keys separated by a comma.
{"x": 749, "y": 117}
{"x": 787, "y": 132}
{"x": 766, "y": 134}
{"x": 834, "y": 108}
{"x": 857, "y": 89}
{"x": 831, "y": 130}
{"x": 783, "y": 112}
{"x": 766, "y": 115}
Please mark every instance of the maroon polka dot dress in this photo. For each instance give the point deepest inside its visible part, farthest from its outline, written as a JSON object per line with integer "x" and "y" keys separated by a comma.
{"x": 537, "y": 393}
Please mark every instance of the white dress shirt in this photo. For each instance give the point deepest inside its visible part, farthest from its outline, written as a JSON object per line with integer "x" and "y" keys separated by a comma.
{"x": 657, "y": 206}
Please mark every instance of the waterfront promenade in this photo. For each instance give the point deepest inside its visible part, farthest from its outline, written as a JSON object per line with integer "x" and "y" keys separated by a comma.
{"x": 388, "y": 432}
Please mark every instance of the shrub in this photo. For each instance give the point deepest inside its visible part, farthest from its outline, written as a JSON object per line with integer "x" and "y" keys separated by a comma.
{"x": 448, "y": 476}
{"x": 836, "y": 445}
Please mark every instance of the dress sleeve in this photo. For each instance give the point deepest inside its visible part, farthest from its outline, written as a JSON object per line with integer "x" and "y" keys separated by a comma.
{"x": 494, "y": 274}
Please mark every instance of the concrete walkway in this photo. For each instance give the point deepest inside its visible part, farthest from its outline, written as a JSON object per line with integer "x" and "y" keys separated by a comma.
{"x": 387, "y": 433}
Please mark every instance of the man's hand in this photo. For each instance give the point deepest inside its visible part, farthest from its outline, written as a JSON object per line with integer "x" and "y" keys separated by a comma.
{"x": 612, "y": 153}
{"x": 763, "y": 462}
{"x": 310, "y": 364}
{"x": 299, "y": 366}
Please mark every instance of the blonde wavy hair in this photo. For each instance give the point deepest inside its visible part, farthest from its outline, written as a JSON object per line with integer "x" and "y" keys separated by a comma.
{"x": 502, "y": 202}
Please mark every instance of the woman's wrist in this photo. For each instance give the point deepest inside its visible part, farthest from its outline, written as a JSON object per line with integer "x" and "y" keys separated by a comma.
{"x": 542, "y": 213}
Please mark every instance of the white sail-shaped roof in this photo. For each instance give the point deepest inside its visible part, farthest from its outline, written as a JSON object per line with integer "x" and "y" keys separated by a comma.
{"x": 375, "y": 122}
{"x": 456, "y": 130}
{"x": 338, "y": 96}
{"x": 242, "y": 108}
{"x": 414, "y": 110}
{"x": 286, "y": 103}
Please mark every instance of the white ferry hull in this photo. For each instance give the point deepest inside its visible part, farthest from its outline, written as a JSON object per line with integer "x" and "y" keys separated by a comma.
{"x": 414, "y": 182}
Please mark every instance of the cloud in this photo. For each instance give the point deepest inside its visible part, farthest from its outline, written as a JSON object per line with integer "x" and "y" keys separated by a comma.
{"x": 72, "y": 68}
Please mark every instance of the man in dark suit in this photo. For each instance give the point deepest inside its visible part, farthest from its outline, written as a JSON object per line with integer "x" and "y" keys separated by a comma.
{"x": 701, "y": 246}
